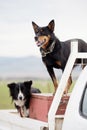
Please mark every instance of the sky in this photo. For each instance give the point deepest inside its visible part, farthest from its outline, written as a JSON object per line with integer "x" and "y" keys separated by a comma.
{"x": 16, "y": 16}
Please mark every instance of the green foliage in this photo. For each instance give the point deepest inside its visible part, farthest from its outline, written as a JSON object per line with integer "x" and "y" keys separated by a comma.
{"x": 5, "y": 99}
{"x": 71, "y": 87}
{"x": 44, "y": 86}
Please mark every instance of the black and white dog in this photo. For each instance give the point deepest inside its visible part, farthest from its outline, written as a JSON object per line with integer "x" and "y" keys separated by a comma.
{"x": 21, "y": 94}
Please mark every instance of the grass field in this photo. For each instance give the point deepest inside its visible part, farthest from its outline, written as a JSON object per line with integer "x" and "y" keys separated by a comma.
{"x": 5, "y": 99}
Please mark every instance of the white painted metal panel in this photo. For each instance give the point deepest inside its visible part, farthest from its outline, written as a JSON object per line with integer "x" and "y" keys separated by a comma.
{"x": 73, "y": 120}
{"x": 10, "y": 120}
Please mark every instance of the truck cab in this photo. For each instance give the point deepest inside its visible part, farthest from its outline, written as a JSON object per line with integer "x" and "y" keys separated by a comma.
{"x": 76, "y": 112}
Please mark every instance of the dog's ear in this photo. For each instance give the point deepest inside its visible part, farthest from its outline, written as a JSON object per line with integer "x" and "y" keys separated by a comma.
{"x": 51, "y": 25}
{"x": 11, "y": 85}
{"x": 28, "y": 83}
{"x": 35, "y": 27}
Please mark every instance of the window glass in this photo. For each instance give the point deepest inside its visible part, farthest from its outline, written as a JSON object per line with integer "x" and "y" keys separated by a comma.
{"x": 84, "y": 103}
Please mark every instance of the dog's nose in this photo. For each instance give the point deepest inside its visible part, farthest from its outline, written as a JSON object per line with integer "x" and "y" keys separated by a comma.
{"x": 20, "y": 97}
{"x": 36, "y": 38}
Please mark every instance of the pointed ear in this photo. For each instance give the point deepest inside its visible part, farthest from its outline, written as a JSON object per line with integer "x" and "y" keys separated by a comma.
{"x": 11, "y": 85}
{"x": 35, "y": 27}
{"x": 28, "y": 83}
{"x": 51, "y": 25}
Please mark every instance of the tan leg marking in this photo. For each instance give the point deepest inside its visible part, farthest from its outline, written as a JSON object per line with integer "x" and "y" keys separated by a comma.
{"x": 69, "y": 82}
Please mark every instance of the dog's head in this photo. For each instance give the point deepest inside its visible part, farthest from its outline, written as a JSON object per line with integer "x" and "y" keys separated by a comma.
{"x": 20, "y": 91}
{"x": 43, "y": 34}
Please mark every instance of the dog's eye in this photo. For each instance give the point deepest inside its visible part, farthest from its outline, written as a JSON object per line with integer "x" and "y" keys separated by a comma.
{"x": 36, "y": 38}
{"x": 22, "y": 89}
{"x": 41, "y": 30}
{"x": 37, "y": 30}
{"x": 17, "y": 89}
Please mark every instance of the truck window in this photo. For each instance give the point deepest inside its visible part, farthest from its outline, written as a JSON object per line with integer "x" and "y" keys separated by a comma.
{"x": 83, "y": 105}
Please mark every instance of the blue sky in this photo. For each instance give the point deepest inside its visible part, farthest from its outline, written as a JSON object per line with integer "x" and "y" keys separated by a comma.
{"x": 16, "y": 16}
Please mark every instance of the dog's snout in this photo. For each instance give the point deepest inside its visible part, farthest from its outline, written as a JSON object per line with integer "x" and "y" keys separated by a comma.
{"x": 36, "y": 38}
{"x": 20, "y": 97}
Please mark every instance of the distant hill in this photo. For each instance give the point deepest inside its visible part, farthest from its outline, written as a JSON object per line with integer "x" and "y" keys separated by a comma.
{"x": 31, "y": 66}
{"x": 21, "y": 67}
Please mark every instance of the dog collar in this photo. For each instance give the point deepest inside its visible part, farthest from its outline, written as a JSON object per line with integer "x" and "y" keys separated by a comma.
{"x": 49, "y": 50}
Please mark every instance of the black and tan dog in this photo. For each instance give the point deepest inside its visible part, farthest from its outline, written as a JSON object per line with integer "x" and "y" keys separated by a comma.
{"x": 54, "y": 52}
